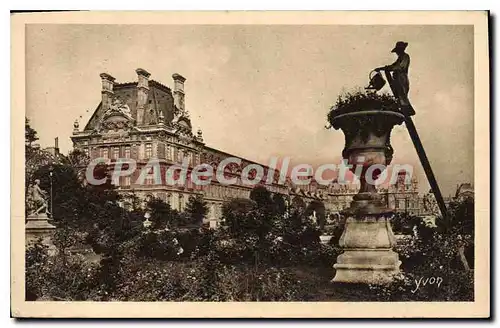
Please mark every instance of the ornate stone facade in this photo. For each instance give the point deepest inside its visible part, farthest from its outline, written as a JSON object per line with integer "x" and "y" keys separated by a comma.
{"x": 403, "y": 197}
{"x": 146, "y": 119}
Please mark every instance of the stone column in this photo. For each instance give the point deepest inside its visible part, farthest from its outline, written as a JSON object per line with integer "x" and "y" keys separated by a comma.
{"x": 367, "y": 239}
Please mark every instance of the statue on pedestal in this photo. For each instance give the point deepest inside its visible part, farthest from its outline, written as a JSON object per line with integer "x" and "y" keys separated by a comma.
{"x": 37, "y": 225}
{"x": 36, "y": 200}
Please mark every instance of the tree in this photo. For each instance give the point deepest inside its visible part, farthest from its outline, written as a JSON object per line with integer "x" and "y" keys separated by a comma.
{"x": 133, "y": 202}
{"x": 279, "y": 204}
{"x": 162, "y": 215}
{"x": 30, "y": 134}
{"x": 462, "y": 216}
{"x": 34, "y": 156}
{"x": 317, "y": 208}
{"x": 79, "y": 161}
{"x": 65, "y": 192}
{"x": 262, "y": 197}
{"x": 298, "y": 204}
{"x": 233, "y": 211}
{"x": 89, "y": 215}
{"x": 248, "y": 222}
{"x": 196, "y": 209}
{"x": 299, "y": 231}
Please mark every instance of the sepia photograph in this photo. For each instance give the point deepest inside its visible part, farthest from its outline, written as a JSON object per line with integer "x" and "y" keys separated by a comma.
{"x": 250, "y": 164}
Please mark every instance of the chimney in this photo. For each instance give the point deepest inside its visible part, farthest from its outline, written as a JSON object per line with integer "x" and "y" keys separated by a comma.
{"x": 56, "y": 146}
{"x": 107, "y": 89}
{"x": 142, "y": 93}
{"x": 179, "y": 92}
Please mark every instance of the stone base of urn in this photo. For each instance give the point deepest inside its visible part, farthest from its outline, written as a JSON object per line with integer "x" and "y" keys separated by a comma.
{"x": 38, "y": 227}
{"x": 368, "y": 257}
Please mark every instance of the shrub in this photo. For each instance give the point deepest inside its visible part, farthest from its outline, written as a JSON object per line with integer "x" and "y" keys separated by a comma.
{"x": 402, "y": 223}
{"x": 455, "y": 287}
{"x": 435, "y": 256}
{"x": 158, "y": 245}
{"x": 61, "y": 277}
{"x": 205, "y": 279}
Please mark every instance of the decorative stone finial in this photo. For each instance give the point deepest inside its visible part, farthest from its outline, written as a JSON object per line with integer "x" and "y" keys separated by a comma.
{"x": 76, "y": 126}
{"x": 199, "y": 134}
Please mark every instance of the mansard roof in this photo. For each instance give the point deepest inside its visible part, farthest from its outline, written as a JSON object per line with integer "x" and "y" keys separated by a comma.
{"x": 159, "y": 101}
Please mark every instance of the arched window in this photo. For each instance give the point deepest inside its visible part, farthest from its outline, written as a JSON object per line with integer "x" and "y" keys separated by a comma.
{"x": 127, "y": 152}
{"x": 169, "y": 152}
{"x": 149, "y": 150}
{"x": 180, "y": 155}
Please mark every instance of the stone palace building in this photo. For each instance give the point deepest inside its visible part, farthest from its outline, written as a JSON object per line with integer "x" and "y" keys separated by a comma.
{"x": 146, "y": 119}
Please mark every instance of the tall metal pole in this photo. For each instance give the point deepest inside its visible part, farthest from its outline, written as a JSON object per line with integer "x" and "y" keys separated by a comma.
{"x": 51, "y": 199}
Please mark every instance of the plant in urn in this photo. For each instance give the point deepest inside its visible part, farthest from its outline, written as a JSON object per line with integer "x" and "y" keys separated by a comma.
{"x": 367, "y": 120}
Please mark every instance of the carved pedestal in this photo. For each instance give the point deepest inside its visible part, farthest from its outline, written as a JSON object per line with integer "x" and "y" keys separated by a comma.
{"x": 38, "y": 227}
{"x": 368, "y": 257}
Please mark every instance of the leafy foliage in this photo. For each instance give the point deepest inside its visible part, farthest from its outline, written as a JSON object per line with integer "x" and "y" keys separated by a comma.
{"x": 279, "y": 204}
{"x": 59, "y": 277}
{"x": 262, "y": 197}
{"x": 298, "y": 204}
{"x": 196, "y": 210}
{"x": 317, "y": 208}
{"x": 253, "y": 257}
{"x": 434, "y": 252}
{"x": 30, "y": 134}
{"x": 162, "y": 215}
{"x": 403, "y": 223}
{"x": 358, "y": 100}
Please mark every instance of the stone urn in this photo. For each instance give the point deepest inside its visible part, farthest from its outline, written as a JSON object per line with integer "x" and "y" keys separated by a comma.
{"x": 325, "y": 239}
{"x": 367, "y": 239}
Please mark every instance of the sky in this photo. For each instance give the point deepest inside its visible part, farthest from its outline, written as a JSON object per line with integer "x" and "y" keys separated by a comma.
{"x": 264, "y": 91}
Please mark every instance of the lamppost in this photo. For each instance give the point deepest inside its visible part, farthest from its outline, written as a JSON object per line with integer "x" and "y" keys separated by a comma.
{"x": 51, "y": 199}
{"x": 287, "y": 207}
